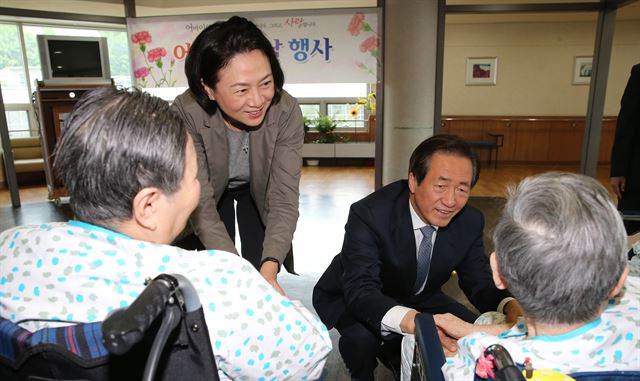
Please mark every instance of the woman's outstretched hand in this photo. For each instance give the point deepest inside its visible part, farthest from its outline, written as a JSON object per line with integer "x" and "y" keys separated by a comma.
{"x": 269, "y": 271}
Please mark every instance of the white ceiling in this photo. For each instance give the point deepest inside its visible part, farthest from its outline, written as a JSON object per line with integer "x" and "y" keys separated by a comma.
{"x": 628, "y": 12}
{"x": 172, "y": 7}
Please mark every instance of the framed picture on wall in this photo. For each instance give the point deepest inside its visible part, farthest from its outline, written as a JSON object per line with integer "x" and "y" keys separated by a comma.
{"x": 582, "y": 70}
{"x": 481, "y": 71}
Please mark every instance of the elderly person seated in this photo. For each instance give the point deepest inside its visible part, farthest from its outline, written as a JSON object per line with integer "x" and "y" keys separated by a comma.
{"x": 130, "y": 168}
{"x": 560, "y": 248}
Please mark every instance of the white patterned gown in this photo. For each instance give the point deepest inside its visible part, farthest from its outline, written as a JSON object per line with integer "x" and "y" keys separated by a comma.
{"x": 81, "y": 272}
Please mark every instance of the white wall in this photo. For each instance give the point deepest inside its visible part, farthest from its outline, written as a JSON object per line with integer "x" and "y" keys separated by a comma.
{"x": 409, "y": 87}
{"x": 535, "y": 67}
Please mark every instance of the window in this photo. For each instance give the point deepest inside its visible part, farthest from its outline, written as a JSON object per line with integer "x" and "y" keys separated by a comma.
{"x": 17, "y": 76}
{"x": 12, "y": 74}
{"x": 337, "y": 100}
{"x": 347, "y": 112}
{"x": 310, "y": 110}
{"x": 347, "y": 115}
{"x": 18, "y": 124}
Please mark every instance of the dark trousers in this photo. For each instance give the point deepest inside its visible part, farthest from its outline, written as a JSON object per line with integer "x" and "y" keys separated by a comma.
{"x": 630, "y": 204}
{"x": 360, "y": 347}
{"x": 249, "y": 222}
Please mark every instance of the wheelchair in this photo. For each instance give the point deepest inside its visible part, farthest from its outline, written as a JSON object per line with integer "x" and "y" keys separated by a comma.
{"x": 429, "y": 358}
{"x": 162, "y": 335}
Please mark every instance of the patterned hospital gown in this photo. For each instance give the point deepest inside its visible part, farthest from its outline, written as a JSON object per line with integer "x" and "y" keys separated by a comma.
{"x": 81, "y": 272}
{"x": 609, "y": 343}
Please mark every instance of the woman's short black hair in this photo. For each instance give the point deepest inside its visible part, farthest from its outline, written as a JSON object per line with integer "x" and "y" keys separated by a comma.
{"x": 215, "y": 46}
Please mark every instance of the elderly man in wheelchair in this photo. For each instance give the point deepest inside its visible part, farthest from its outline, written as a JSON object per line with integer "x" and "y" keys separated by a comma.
{"x": 561, "y": 249}
{"x": 130, "y": 167}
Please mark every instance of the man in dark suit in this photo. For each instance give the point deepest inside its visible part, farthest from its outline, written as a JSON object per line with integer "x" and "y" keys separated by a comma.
{"x": 374, "y": 288}
{"x": 625, "y": 154}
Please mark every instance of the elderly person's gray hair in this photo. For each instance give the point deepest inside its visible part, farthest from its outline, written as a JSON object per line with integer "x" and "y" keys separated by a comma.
{"x": 561, "y": 247}
{"x": 114, "y": 144}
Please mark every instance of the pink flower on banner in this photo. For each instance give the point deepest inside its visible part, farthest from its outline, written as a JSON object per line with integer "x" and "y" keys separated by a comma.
{"x": 154, "y": 66}
{"x": 141, "y": 72}
{"x": 156, "y": 54}
{"x": 369, "y": 44}
{"x": 355, "y": 25}
{"x": 141, "y": 38}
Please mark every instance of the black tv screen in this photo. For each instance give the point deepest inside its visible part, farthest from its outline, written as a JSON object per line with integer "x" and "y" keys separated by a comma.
{"x": 75, "y": 59}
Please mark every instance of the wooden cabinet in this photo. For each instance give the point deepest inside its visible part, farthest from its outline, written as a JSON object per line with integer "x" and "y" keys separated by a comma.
{"x": 541, "y": 140}
{"x": 470, "y": 130}
{"x": 606, "y": 140}
{"x": 478, "y": 129}
{"x": 532, "y": 141}
{"x": 565, "y": 141}
{"x": 54, "y": 103}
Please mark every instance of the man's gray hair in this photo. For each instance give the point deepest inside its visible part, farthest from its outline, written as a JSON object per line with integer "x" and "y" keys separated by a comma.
{"x": 114, "y": 144}
{"x": 561, "y": 247}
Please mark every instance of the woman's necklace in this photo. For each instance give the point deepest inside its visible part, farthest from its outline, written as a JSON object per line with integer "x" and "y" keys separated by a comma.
{"x": 243, "y": 133}
{"x": 245, "y": 142}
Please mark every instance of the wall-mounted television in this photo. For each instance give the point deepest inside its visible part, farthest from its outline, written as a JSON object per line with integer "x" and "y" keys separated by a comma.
{"x": 74, "y": 60}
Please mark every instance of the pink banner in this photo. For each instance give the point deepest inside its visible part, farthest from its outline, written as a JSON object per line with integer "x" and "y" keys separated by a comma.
{"x": 315, "y": 48}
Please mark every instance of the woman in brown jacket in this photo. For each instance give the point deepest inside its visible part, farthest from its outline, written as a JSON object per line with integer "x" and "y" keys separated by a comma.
{"x": 248, "y": 134}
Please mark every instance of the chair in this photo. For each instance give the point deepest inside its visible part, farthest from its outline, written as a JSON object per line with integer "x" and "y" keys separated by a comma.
{"x": 161, "y": 336}
{"x": 491, "y": 145}
{"x": 428, "y": 358}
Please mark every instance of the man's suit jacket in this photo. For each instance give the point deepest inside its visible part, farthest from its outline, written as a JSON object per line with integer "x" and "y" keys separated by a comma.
{"x": 625, "y": 154}
{"x": 275, "y": 162}
{"x": 376, "y": 269}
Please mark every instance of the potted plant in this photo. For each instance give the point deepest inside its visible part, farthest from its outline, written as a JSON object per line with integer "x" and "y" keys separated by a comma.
{"x": 307, "y": 124}
{"x": 325, "y": 125}
{"x": 320, "y": 132}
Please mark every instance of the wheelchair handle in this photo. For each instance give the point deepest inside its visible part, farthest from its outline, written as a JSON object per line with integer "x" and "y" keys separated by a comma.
{"x": 126, "y": 327}
{"x": 190, "y": 300}
{"x": 506, "y": 370}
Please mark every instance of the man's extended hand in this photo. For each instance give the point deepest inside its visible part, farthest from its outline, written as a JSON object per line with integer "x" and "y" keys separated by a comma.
{"x": 450, "y": 329}
{"x": 408, "y": 322}
{"x": 456, "y": 328}
{"x": 449, "y": 344}
{"x": 269, "y": 271}
{"x": 452, "y": 325}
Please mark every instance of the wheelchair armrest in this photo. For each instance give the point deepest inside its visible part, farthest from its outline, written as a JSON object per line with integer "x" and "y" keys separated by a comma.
{"x": 428, "y": 357}
{"x": 126, "y": 327}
